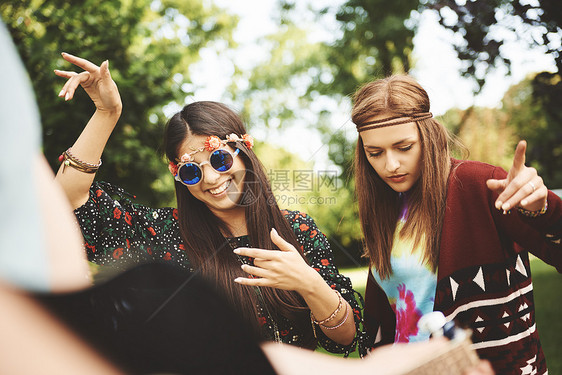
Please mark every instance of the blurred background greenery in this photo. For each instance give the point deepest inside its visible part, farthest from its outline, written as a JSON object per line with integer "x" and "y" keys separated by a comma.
{"x": 297, "y": 79}
{"x": 154, "y": 45}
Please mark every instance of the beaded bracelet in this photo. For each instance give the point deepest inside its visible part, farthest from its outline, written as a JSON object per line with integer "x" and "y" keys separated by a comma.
{"x": 332, "y": 316}
{"x": 527, "y": 213}
{"x": 341, "y": 322}
{"x": 70, "y": 160}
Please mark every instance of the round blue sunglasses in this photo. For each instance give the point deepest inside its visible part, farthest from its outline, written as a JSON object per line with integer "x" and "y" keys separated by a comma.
{"x": 191, "y": 173}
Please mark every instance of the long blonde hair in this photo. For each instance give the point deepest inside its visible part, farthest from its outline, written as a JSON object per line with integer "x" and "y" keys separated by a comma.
{"x": 378, "y": 203}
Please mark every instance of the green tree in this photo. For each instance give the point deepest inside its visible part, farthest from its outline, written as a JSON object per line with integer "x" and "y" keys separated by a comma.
{"x": 150, "y": 46}
{"x": 297, "y": 185}
{"x": 306, "y": 79}
{"x": 532, "y": 116}
{"x": 482, "y": 30}
{"x": 486, "y": 133}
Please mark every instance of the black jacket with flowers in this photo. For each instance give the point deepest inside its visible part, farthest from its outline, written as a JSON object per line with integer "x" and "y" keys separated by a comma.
{"x": 119, "y": 233}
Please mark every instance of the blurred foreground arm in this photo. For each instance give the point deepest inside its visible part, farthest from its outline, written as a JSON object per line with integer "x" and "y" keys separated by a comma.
{"x": 387, "y": 360}
{"x": 67, "y": 266}
{"x": 33, "y": 342}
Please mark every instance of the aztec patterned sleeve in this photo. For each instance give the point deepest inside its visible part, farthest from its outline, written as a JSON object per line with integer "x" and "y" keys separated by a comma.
{"x": 120, "y": 233}
{"x": 317, "y": 250}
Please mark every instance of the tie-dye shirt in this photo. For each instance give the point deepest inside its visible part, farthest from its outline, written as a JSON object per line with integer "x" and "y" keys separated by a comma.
{"x": 411, "y": 286}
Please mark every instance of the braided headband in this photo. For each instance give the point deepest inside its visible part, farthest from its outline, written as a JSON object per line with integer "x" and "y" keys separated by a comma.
{"x": 395, "y": 120}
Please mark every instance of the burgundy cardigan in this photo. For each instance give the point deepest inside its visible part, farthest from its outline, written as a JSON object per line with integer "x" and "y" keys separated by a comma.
{"x": 484, "y": 277}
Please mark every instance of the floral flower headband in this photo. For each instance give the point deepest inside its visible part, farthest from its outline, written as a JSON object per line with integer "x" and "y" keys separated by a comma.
{"x": 211, "y": 144}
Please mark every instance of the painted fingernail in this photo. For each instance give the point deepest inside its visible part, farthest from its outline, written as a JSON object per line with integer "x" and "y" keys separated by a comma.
{"x": 236, "y": 251}
{"x": 499, "y": 205}
{"x": 61, "y": 93}
{"x": 524, "y": 202}
{"x": 506, "y": 207}
{"x": 237, "y": 280}
{"x": 67, "y": 96}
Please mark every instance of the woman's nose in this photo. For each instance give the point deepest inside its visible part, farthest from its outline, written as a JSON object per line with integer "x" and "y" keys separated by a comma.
{"x": 392, "y": 163}
{"x": 210, "y": 175}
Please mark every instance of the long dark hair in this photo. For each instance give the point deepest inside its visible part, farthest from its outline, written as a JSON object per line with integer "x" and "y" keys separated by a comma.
{"x": 378, "y": 203}
{"x": 208, "y": 250}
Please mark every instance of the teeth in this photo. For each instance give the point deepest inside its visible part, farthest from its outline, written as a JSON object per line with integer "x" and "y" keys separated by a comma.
{"x": 221, "y": 188}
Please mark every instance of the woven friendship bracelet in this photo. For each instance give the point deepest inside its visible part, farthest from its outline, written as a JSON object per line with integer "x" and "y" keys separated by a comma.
{"x": 70, "y": 160}
{"x": 537, "y": 213}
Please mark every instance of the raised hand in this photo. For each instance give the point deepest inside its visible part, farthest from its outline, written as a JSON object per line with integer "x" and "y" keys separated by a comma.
{"x": 95, "y": 80}
{"x": 522, "y": 187}
{"x": 89, "y": 146}
{"x": 282, "y": 269}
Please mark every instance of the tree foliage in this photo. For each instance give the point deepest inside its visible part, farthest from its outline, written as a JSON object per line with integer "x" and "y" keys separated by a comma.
{"x": 150, "y": 46}
{"x": 375, "y": 41}
{"x": 483, "y": 29}
{"x": 302, "y": 80}
{"x": 297, "y": 185}
{"x": 536, "y": 116}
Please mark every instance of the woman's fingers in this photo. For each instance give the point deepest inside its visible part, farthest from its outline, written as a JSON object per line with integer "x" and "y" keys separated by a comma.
{"x": 280, "y": 241}
{"x": 253, "y": 281}
{"x": 96, "y": 81}
{"x": 525, "y": 190}
{"x": 256, "y": 253}
{"x": 519, "y": 156}
{"x": 72, "y": 84}
{"x": 516, "y": 189}
{"x": 64, "y": 73}
{"x": 80, "y": 62}
{"x": 529, "y": 203}
{"x": 522, "y": 187}
{"x": 256, "y": 271}
{"x": 104, "y": 69}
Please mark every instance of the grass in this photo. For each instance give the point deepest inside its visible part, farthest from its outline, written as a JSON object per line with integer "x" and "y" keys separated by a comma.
{"x": 547, "y": 285}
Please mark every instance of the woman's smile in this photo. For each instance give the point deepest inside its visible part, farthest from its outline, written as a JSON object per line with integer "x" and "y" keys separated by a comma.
{"x": 221, "y": 188}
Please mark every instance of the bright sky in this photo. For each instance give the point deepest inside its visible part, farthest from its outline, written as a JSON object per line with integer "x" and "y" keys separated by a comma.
{"x": 436, "y": 68}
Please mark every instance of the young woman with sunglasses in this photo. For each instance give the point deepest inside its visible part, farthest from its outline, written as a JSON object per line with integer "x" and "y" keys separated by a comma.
{"x": 275, "y": 266}
{"x": 445, "y": 234}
